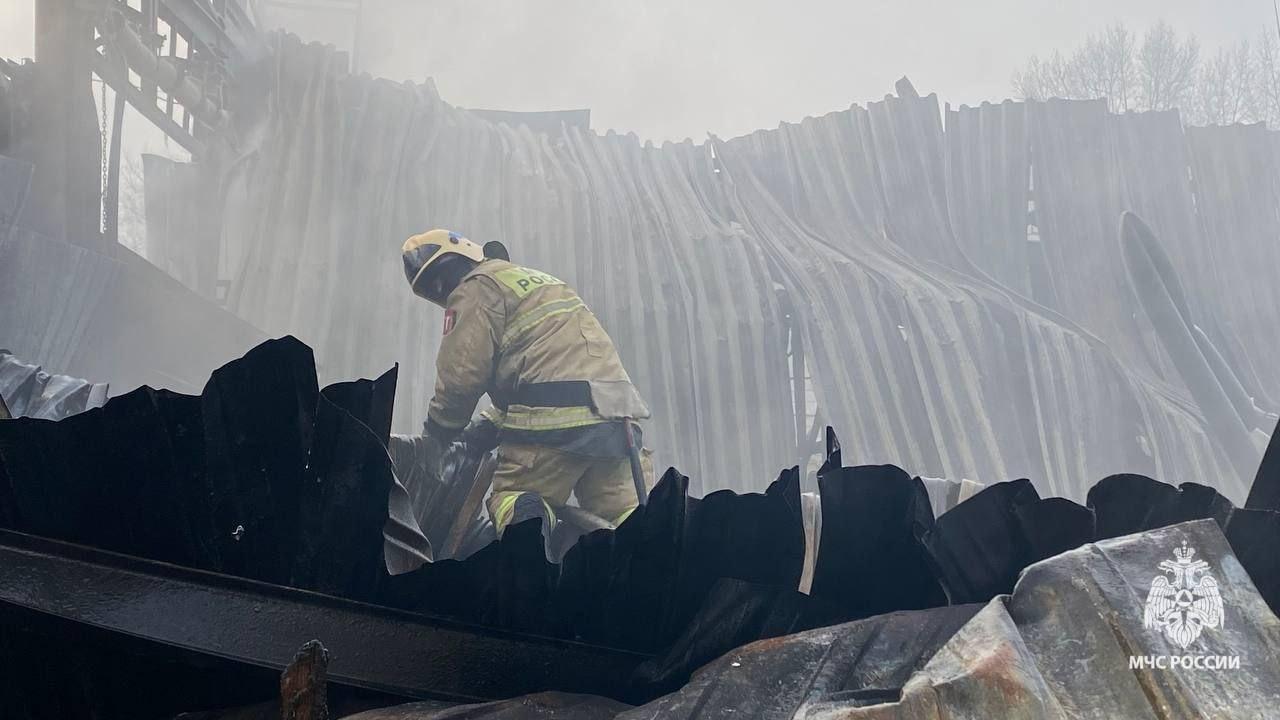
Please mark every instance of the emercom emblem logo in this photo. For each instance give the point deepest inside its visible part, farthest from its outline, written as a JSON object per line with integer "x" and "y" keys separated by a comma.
{"x": 1182, "y": 604}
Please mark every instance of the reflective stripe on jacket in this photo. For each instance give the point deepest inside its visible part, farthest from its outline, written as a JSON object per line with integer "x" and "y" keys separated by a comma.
{"x": 531, "y": 343}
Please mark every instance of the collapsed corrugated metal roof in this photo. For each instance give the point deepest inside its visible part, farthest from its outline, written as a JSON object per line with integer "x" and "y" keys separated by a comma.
{"x": 1100, "y": 632}
{"x": 1074, "y": 639}
{"x": 69, "y": 302}
{"x": 278, "y": 484}
{"x": 225, "y": 481}
{"x": 1057, "y": 647}
{"x": 268, "y": 477}
{"x": 1093, "y": 632}
{"x": 846, "y": 254}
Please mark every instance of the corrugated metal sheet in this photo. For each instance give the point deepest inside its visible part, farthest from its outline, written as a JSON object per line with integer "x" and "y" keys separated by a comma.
{"x": 1208, "y": 193}
{"x": 547, "y": 121}
{"x": 688, "y": 302}
{"x": 1061, "y": 646}
{"x": 927, "y": 364}
{"x": 113, "y": 318}
{"x": 182, "y": 235}
{"x": 268, "y": 477}
{"x": 1057, "y": 647}
{"x": 264, "y": 475}
{"x": 28, "y": 391}
{"x": 15, "y": 181}
{"x": 924, "y": 350}
{"x": 1236, "y": 176}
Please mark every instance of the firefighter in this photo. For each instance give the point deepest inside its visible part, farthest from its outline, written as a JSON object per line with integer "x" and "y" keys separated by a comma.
{"x": 560, "y": 395}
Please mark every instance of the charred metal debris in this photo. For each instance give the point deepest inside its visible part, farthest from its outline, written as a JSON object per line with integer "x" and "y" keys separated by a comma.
{"x": 235, "y": 525}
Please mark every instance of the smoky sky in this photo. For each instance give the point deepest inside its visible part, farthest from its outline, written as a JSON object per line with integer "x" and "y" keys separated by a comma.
{"x": 670, "y": 69}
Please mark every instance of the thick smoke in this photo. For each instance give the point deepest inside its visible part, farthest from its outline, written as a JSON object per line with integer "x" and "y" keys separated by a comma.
{"x": 668, "y": 69}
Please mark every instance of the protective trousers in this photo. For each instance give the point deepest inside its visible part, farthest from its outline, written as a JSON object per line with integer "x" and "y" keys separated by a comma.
{"x": 603, "y": 486}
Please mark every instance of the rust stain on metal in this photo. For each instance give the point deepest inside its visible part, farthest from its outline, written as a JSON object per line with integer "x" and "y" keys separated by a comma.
{"x": 303, "y": 685}
{"x": 997, "y": 670}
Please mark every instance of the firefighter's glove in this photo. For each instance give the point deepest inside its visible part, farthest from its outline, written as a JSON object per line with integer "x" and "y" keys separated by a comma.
{"x": 436, "y": 441}
{"x": 480, "y": 436}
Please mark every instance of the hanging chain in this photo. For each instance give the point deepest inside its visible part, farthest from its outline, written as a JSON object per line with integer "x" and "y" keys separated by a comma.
{"x": 104, "y": 153}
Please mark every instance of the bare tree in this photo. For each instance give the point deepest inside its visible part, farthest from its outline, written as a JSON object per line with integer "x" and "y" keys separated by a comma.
{"x": 132, "y": 214}
{"x": 1105, "y": 67}
{"x": 1043, "y": 79}
{"x": 1165, "y": 71}
{"x": 1056, "y": 76}
{"x": 1225, "y": 88}
{"x": 1267, "y": 79}
{"x": 1167, "y": 67}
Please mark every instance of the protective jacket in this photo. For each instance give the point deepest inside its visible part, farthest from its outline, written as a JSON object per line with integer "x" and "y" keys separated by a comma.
{"x": 531, "y": 343}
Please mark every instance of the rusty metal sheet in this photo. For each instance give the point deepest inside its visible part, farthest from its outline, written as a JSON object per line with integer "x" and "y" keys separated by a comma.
{"x": 810, "y": 673}
{"x": 1060, "y": 646}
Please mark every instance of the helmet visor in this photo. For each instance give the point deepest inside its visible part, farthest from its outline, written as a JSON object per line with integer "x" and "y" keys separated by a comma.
{"x": 414, "y": 259}
{"x": 442, "y": 276}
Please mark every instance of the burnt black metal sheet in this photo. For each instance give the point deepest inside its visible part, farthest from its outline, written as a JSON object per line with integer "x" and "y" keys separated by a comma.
{"x": 1265, "y": 493}
{"x": 1254, "y": 536}
{"x": 617, "y": 587}
{"x": 753, "y": 537}
{"x": 1054, "y": 525}
{"x": 263, "y": 625}
{"x": 870, "y": 559}
{"x": 1126, "y": 504}
{"x": 978, "y": 547}
{"x": 262, "y": 476}
{"x": 734, "y": 613}
{"x": 1121, "y": 503}
{"x": 259, "y": 422}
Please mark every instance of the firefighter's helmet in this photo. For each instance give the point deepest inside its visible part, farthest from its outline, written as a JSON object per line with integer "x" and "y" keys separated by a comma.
{"x": 436, "y": 260}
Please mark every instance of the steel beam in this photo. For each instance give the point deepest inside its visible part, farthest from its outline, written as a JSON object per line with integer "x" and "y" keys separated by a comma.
{"x": 229, "y": 34}
{"x": 119, "y": 82}
{"x": 261, "y": 624}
